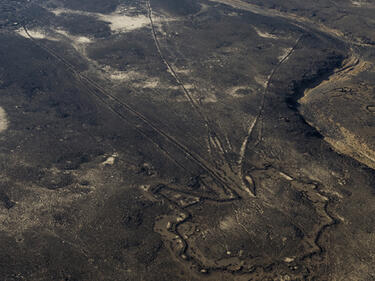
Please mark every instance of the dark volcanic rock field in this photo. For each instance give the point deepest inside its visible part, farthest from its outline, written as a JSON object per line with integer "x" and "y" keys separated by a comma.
{"x": 187, "y": 140}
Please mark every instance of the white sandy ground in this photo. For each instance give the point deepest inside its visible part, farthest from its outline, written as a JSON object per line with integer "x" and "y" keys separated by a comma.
{"x": 3, "y": 120}
{"x": 137, "y": 79}
{"x": 78, "y": 42}
{"x": 233, "y": 91}
{"x": 227, "y": 223}
{"x": 151, "y": 83}
{"x": 363, "y": 4}
{"x": 118, "y": 20}
{"x": 53, "y": 35}
{"x": 118, "y": 75}
{"x": 74, "y": 38}
{"x": 36, "y": 33}
{"x": 261, "y": 80}
{"x": 110, "y": 160}
{"x": 265, "y": 34}
{"x": 356, "y": 3}
{"x": 289, "y": 259}
{"x": 284, "y": 53}
{"x": 285, "y": 176}
{"x": 367, "y": 4}
{"x": 125, "y": 23}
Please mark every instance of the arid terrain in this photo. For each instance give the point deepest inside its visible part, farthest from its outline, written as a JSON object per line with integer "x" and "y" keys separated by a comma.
{"x": 187, "y": 140}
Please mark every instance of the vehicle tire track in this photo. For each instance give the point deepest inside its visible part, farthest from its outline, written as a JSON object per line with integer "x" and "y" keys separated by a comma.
{"x": 190, "y": 154}
{"x": 259, "y": 116}
{"x": 266, "y": 89}
{"x": 193, "y": 103}
{"x": 216, "y": 175}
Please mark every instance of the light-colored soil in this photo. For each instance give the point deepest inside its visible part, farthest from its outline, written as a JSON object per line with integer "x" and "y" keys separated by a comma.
{"x": 36, "y": 33}
{"x": 118, "y": 20}
{"x": 3, "y": 120}
{"x": 265, "y": 34}
{"x": 352, "y": 145}
{"x": 284, "y": 54}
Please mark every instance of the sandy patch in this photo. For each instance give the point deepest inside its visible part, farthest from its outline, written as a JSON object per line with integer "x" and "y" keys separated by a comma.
{"x": 79, "y": 43}
{"x": 3, "y": 120}
{"x": 184, "y": 71}
{"x": 151, "y": 83}
{"x": 284, "y": 53}
{"x": 265, "y": 34}
{"x": 118, "y": 75}
{"x": 36, "y": 34}
{"x": 233, "y": 91}
{"x": 118, "y": 21}
{"x": 249, "y": 181}
{"x": 74, "y": 38}
{"x": 59, "y": 11}
{"x": 358, "y": 3}
{"x": 137, "y": 79}
{"x": 209, "y": 98}
{"x": 110, "y": 160}
{"x": 362, "y": 4}
{"x": 228, "y": 223}
{"x": 57, "y": 35}
{"x": 285, "y": 176}
{"x": 352, "y": 145}
{"x": 236, "y": 91}
{"x": 289, "y": 259}
{"x": 261, "y": 80}
{"x": 130, "y": 76}
{"x": 233, "y": 14}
